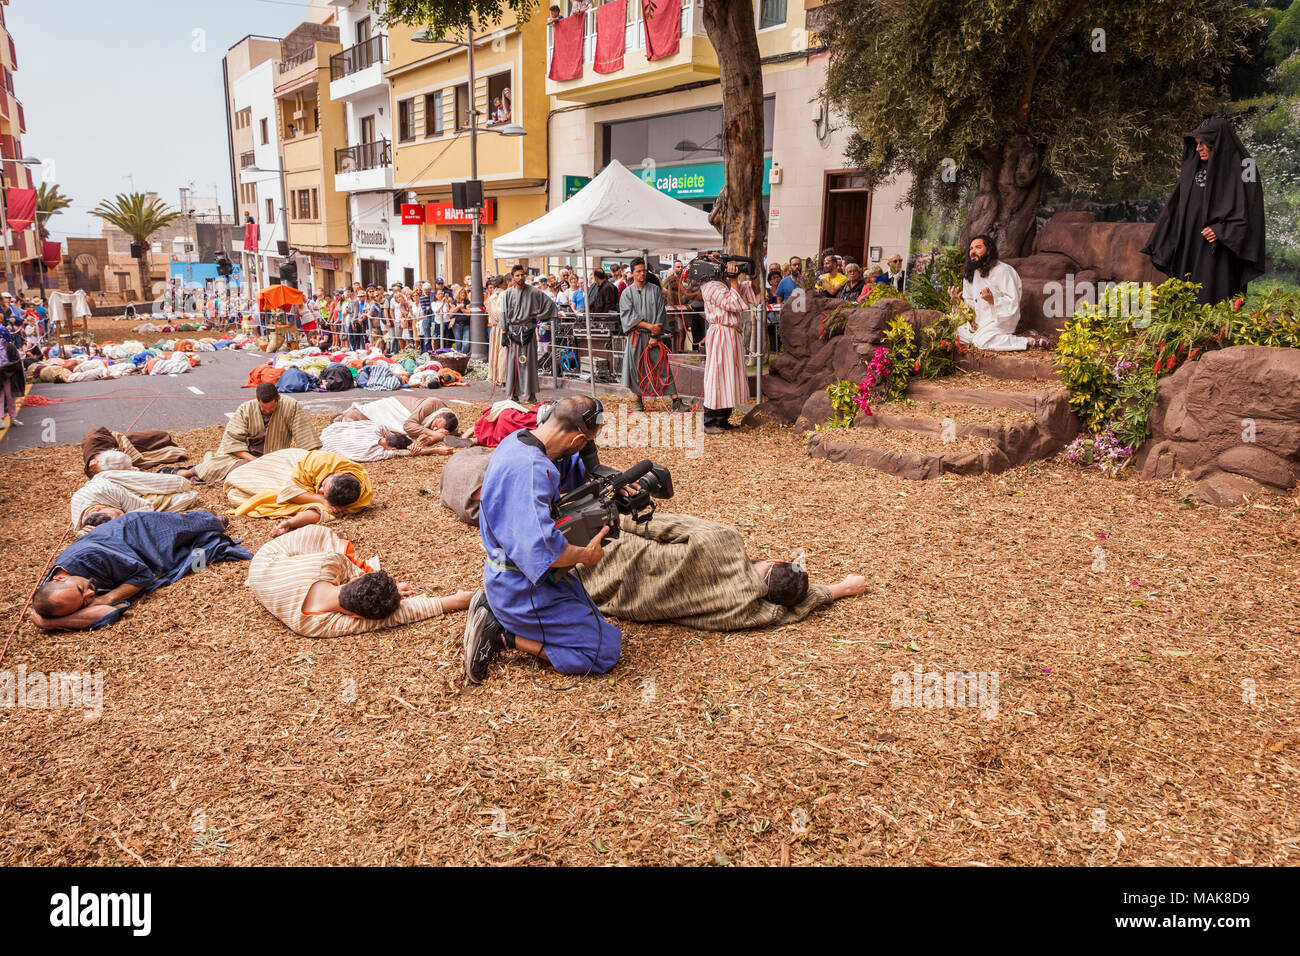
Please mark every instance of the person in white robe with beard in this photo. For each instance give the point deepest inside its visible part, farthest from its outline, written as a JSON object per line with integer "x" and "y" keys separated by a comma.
{"x": 991, "y": 289}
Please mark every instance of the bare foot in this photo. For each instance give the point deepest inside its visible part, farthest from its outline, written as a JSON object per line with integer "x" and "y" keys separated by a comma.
{"x": 281, "y": 527}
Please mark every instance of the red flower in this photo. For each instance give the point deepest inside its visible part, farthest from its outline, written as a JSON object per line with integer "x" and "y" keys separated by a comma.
{"x": 1156, "y": 368}
{"x": 1195, "y": 352}
{"x": 916, "y": 367}
{"x": 1169, "y": 365}
{"x": 1237, "y": 304}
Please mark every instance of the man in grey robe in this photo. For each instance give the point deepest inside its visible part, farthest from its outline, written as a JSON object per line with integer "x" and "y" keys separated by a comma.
{"x": 647, "y": 327}
{"x": 521, "y": 309}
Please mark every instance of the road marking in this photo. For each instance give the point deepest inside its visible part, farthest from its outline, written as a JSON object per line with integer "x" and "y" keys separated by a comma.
{"x": 194, "y": 390}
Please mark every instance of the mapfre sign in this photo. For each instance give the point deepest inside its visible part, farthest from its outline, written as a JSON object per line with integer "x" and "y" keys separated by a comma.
{"x": 446, "y": 214}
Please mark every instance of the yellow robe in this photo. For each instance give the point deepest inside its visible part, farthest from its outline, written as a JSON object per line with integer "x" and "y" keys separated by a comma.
{"x": 263, "y": 488}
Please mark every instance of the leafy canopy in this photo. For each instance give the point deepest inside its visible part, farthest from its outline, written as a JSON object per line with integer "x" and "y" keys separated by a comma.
{"x": 136, "y": 214}
{"x": 448, "y": 18}
{"x": 1099, "y": 88}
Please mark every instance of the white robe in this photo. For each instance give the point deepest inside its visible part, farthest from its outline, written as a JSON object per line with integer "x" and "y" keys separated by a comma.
{"x": 995, "y": 322}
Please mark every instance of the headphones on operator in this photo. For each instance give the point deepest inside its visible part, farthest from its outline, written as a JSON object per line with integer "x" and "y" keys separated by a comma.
{"x": 593, "y": 417}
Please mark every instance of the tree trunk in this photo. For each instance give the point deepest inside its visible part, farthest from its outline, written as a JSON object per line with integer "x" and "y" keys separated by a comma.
{"x": 1007, "y": 203}
{"x": 738, "y": 214}
{"x": 142, "y": 264}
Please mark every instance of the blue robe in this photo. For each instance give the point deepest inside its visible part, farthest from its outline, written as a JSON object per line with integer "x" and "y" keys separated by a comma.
{"x": 522, "y": 544}
{"x": 148, "y": 549}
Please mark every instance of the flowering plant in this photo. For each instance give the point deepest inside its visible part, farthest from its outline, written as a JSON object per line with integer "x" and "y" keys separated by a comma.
{"x": 1103, "y": 450}
{"x": 877, "y": 373}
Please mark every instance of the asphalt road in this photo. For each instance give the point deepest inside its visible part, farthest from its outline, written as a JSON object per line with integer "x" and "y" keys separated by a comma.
{"x": 205, "y": 395}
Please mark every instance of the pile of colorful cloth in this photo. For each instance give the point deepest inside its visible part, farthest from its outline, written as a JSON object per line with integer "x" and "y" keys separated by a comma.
{"x": 311, "y": 369}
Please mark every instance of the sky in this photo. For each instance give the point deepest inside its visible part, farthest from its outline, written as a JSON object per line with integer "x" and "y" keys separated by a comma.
{"x": 116, "y": 93}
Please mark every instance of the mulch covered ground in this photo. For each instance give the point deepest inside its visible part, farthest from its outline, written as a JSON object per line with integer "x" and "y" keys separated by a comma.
{"x": 1147, "y": 712}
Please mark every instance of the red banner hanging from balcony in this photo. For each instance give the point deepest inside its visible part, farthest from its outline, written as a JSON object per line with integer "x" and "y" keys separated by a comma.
{"x": 250, "y": 237}
{"x": 52, "y": 254}
{"x": 611, "y": 36}
{"x": 22, "y": 208}
{"x": 663, "y": 27}
{"x": 566, "y": 52}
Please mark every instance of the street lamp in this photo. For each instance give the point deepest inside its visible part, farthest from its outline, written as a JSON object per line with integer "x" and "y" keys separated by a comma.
{"x": 284, "y": 196}
{"x": 4, "y": 215}
{"x": 477, "y": 318}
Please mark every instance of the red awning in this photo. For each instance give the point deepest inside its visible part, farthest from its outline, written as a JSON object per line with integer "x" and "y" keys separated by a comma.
{"x": 22, "y": 208}
{"x": 52, "y": 254}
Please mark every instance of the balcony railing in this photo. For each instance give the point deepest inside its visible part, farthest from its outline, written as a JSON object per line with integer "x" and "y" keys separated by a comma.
{"x": 353, "y": 159}
{"x": 298, "y": 59}
{"x": 634, "y": 36}
{"x": 246, "y": 159}
{"x": 356, "y": 58}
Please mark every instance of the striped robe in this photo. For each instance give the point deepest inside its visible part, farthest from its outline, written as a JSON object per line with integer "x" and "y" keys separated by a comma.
{"x": 358, "y": 441}
{"x": 289, "y": 427}
{"x": 285, "y": 568}
{"x": 145, "y": 449}
{"x": 688, "y": 571}
{"x": 725, "y": 383}
{"x": 132, "y": 491}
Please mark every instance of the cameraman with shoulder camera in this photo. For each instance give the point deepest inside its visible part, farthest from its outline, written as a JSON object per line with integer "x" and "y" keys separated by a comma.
{"x": 725, "y": 383}
{"x": 523, "y": 604}
{"x": 646, "y": 365}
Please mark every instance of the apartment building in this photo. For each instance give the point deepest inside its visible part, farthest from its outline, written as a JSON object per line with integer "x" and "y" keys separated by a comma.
{"x": 432, "y": 96}
{"x": 23, "y": 244}
{"x": 656, "y": 107}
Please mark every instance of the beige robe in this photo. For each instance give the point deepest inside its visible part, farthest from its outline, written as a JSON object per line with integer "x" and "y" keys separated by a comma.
{"x": 289, "y": 427}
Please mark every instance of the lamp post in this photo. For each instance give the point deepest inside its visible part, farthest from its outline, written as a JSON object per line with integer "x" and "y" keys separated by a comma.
{"x": 4, "y": 216}
{"x": 284, "y": 196}
{"x": 477, "y": 317}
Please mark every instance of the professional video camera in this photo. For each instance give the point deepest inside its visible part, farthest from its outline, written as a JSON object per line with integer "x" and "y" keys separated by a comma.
{"x": 714, "y": 266}
{"x": 584, "y": 511}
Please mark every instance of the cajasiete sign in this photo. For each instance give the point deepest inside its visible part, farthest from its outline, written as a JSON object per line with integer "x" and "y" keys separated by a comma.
{"x": 367, "y": 235}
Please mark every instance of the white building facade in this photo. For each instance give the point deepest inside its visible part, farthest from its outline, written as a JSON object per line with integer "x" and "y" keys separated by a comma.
{"x": 383, "y": 250}
{"x": 255, "y": 92}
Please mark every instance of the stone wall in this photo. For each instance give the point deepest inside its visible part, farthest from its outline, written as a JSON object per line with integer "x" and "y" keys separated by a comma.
{"x": 1230, "y": 421}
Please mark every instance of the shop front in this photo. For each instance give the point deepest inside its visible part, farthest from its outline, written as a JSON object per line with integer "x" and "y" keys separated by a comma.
{"x": 372, "y": 246}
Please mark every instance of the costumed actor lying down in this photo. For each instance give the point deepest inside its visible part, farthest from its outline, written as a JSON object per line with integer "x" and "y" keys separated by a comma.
{"x": 311, "y": 579}
{"x": 95, "y": 577}
{"x": 695, "y": 572}
{"x": 523, "y": 604}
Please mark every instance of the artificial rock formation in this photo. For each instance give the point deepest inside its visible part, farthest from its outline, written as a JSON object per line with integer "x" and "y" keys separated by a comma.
{"x": 1230, "y": 421}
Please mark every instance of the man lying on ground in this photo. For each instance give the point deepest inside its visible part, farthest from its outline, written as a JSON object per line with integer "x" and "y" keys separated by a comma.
{"x": 368, "y": 441}
{"x": 265, "y": 424}
{"x": 111, "y": 494}
{"x": 311, "y": 579}
{"x": 686, "y": 570}
{"x": 143, "y": 449}
{"x": 425, "y": 421}
{"x": 95, "y": 577}
{"x": 300, "y": 487}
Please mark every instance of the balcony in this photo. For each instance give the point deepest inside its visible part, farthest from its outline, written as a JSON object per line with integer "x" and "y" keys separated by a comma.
{"x": 298, "y": 59}
{"x": 359, "y": 68}
{"x": 247, "y": 159}
{"x": 364, "y": 167}
{"x": 695, "y": 60}
{"x": 357, "y": 58}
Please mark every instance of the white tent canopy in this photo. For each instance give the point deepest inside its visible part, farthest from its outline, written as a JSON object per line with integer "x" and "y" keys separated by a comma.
{"x": 615, "y": 214}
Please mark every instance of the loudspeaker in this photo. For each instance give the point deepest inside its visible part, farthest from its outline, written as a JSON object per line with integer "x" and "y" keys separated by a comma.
{"x": 137, "y": 250}
{"x": 289, "y": 273}
{"x": 282, "y": 249}
{"x": 467, "y": 195}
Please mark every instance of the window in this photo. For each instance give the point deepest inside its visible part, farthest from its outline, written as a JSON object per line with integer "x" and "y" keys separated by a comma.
{"x": 499, "y": 99}
{"x": 406, "y": 120}
{"x": 266, "y": 136}
{"x": 433, "y": 125}
{"x": 363, "y": 29}
{"x": 244, "y": 118}
{"x": 270, "y": 210}
{"x": 771, "y": 13}
{"x": 462, "y": 107}
{"x": 315, "y": 209}
{"x": 694, "y": 136}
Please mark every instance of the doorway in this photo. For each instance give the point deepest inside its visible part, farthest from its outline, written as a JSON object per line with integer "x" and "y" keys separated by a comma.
{"x": 846, "y": 215}
{"x": 374, "y": 272}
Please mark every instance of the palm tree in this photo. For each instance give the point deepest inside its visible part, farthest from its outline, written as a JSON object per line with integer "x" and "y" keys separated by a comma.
{"x": 139, "y": 216}
{"x": 48, "y": 202}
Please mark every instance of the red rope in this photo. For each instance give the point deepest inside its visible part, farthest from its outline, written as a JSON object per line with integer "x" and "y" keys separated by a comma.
{"x": 654, "y": 374}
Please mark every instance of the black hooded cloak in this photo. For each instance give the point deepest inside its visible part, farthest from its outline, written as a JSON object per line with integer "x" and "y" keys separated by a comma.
{"x": 1223, "y": 193}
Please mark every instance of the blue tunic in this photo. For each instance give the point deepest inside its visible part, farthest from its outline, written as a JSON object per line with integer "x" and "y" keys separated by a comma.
{"x": 148, "y": 549}
{"x": 522, "y": 544}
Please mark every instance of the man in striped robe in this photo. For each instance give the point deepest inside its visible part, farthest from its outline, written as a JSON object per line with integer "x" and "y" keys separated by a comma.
{"x": 268, "y": 423}
{"x": 113, "y": 493}
{"x": 727, "y": 306}
{"x": 313, "y": 582}
{"x": 686, "y": 570}
{"x": 145, "y": 449}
